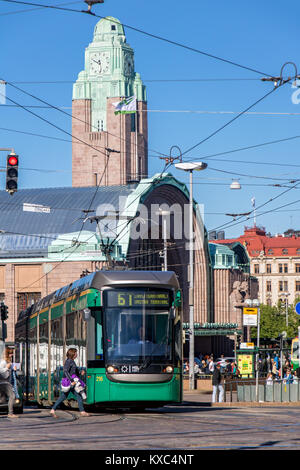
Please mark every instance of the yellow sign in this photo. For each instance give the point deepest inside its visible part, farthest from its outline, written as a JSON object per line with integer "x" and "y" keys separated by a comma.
{"x": 250, "y": 311}
{"x": 250, "y": 316}
{"x": 245, "y": 364}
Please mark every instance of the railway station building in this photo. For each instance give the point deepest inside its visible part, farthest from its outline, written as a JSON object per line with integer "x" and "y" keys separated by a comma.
{"x": 111, "y": 215}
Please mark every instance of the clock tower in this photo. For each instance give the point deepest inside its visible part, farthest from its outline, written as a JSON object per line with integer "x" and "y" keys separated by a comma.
{"x": 108, "y": 148}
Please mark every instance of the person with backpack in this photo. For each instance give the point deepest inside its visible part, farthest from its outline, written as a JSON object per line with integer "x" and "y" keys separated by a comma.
{"x": 5, "y": 381}
{"x": 69, "y": 384}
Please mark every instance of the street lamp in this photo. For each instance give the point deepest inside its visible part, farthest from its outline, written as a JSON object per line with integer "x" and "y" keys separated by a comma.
{"x": 235, "y": 184}
{"x": 191, "y": 166}
{"x": 286, "y": 294}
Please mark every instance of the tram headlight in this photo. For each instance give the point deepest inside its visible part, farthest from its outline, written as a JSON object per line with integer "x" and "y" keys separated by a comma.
{"x": 110, "y": 369}
{"x": 169, "y": 369}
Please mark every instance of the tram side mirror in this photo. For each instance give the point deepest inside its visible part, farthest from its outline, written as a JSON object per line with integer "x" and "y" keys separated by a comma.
{"x": 178, "y": 299}
{"x": 86, "y": 314}
{"x": 172, "y": 313}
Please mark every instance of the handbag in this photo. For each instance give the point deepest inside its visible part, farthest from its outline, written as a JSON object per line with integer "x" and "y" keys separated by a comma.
{"x": 65, "y": 385}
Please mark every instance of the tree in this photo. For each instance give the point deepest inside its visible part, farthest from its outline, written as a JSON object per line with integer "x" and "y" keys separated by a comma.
{"x": 273, "y": 321}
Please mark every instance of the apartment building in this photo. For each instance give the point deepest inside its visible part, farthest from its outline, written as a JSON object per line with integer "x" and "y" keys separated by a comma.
{"x": 274, "y": 261}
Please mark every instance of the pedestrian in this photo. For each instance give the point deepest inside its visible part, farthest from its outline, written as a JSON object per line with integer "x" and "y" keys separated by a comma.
{"x": 269, "y": 380}
{"x": 211, "y": 365}
{"x": 295, "y": 380}
{"x": 203, "y": 367}
{"x": 217, "y": 386}
{"x": 288, "y": 378}
{"x": 235, "y": 370}
{"x": 70, "y": 369}
{"x": 274, "y": 368}
{"x": 5, "y": 381}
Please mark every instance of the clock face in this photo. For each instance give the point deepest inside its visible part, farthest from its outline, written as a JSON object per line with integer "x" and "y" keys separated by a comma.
{"x": 128, "y": 65}
{"x": 99, "y": 63}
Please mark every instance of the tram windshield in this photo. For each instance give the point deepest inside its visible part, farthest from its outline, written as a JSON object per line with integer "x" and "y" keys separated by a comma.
{"x": 138, "y": 326}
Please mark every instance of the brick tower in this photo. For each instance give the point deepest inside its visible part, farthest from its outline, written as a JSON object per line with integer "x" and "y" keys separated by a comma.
{"x": 108, "y": 149}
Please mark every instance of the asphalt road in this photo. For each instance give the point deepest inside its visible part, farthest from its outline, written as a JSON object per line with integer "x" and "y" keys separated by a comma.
{"x": 190, "y": 427}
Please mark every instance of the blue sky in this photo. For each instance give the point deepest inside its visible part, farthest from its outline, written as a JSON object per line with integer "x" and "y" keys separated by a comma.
{"x": 186, "y": 94}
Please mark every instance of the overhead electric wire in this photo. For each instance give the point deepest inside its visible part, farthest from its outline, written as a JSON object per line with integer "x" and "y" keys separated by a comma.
{"x": 260, "y": 206}
{"x": 233, "y": 224}
{"x": 252, "y": 176}
{"x": 72, "y": 116}
{"x": 231, "y": 121}
{"x": 53, "y": 125}
{"x": 34, "y": 9}
{"x": 76, "y": 242}
{"x": 167, "y": 80}
{"x": 154, "y": 36}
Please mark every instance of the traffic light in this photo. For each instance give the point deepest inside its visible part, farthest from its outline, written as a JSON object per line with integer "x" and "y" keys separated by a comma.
{"x": 4, "y": 311}
{"x": 12, "y": 163}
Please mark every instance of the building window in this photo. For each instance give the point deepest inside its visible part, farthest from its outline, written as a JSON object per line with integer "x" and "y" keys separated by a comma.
{"x": 25, "y": 299}
{"x": 113, "y": 27}
{"x": 283, "y": 268}
{"x": 285, "y": 251}
{"x": 283, "y": 286}
{"x": 270, "y": 251}
{"x": 269, "y": 268}
{"x": 297, "y": 267}
{"x": 298, "y": 251}
{"x": 256, "y": 268}
{"x": 269, "y": 286}
{"x": 297, "y": 286}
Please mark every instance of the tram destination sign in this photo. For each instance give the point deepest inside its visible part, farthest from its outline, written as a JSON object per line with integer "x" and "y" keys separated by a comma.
{"x": 122, "y": 298}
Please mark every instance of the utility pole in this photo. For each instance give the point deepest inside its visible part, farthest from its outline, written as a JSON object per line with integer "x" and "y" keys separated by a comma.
{"x": 164, "y": 215}
{"x": 190, "y": 167}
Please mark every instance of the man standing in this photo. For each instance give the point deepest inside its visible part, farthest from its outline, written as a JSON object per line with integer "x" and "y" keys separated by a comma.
{"x": 217, "y": 386}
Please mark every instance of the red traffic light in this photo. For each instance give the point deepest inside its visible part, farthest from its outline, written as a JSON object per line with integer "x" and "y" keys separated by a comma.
{"x": 12, "y": 160}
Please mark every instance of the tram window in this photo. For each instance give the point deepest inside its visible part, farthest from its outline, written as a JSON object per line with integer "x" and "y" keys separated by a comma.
{"x": 70, "y": 340}
{"x": 56, "y": 345}
{"x": 131, "y": 333}
{"x": 43, "y": 347}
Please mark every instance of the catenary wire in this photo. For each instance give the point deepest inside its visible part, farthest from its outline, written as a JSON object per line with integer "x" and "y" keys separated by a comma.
{"x": 230, "y": 121}
{"x": 154, "y": 36}
{"x": 72, "y": 116}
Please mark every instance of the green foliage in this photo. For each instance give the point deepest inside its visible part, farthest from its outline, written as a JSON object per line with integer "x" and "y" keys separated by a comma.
{"x": 273, "y": 321}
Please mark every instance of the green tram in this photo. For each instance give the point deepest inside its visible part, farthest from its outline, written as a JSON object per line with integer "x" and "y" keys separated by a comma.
{"x": 127, "y": 328}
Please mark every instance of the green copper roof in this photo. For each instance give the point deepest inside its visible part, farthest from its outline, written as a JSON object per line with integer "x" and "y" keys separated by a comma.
{"x": 109, "y": 71}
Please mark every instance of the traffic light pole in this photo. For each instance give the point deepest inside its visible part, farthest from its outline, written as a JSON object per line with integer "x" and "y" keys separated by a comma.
{"x": 12, "y": 163}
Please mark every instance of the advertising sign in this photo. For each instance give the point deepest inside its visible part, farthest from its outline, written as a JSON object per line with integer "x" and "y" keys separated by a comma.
{"x": 245, "y": 364}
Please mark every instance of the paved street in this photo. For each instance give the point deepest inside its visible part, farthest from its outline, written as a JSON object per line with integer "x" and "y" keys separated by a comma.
{"x": 194, "y": 425}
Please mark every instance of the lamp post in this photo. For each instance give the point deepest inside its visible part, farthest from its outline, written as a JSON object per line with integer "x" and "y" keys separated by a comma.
{"x": 190, "y": 167}
{"x": 164, "y": 215}
{"x": 286, "y": 294}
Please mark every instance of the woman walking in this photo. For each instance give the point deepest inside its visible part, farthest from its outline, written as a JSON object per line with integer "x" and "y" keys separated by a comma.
{"x": 5, "y": 380}
{"x": 70, "y": 369}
